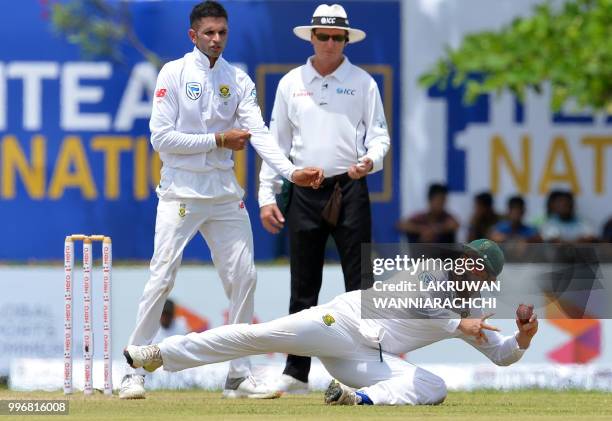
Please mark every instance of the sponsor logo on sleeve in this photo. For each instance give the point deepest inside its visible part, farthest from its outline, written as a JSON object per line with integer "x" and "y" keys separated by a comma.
{"x": 160, "y": 93}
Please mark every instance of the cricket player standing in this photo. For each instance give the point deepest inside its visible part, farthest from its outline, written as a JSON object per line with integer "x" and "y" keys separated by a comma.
{"x": 198, "y": 100}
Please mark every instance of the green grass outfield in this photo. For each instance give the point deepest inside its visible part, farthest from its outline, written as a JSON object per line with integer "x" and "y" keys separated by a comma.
{"x": 195, "y": 404}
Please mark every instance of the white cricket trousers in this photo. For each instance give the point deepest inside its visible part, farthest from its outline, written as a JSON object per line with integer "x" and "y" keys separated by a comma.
{"x": 339, "y": 346}
{"x": 227, "y": 230}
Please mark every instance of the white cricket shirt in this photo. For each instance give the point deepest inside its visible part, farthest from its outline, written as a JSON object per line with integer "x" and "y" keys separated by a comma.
{"x": 193, "y": 102}
{"x": 331, "y": 122}
{"x": 406, "y": 334}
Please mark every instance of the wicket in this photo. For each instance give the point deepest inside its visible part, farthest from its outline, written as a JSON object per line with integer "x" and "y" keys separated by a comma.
{"x": 88, "y": 344}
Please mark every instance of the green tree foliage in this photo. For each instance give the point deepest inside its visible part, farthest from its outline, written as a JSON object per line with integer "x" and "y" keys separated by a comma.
{"x": 99, "y": 27}
{"x": 569, "y": 46}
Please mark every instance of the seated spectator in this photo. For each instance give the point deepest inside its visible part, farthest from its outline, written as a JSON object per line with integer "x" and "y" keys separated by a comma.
{"x": 170, "y": 325}
{"x": 483, "y": 218}
{"x": 566, "y": 226}
{"x": 435, "y": 225}
{"x": 513, "y": 229}
{"x": 606, "y": 234}
{"x": 551, "y": 208}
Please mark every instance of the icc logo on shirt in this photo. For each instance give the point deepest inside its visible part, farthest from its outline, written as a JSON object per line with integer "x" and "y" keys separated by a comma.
{"x": 345, "y": 91}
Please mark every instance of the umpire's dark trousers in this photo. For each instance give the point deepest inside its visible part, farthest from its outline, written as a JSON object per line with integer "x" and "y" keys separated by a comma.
{"x": 308, "y": 234}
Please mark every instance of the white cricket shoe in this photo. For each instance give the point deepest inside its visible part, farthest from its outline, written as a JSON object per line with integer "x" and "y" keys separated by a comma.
{"x": 247, "y": 387}
{"x": 132, "y": 387}
{"x": 147, "y": 356}
{"x": 290, "y": 385}
{"x": 339, "y": 394}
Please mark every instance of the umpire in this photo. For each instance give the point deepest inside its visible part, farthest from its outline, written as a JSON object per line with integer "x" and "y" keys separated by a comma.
{"x": 327, "y": 113}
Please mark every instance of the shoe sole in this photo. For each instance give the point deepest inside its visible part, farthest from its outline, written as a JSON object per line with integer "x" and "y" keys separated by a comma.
{"x": 234, "y": 394}
{"x": 131, "y": 397}
{"x": 333, "y": 393}
{"x": 129, "y": 359}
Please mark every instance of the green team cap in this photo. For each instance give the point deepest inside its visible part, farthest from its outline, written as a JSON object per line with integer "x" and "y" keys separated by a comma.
{"x": 490, "y": 252}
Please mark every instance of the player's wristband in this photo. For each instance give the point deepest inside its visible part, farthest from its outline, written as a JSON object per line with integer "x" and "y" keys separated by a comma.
{"x": 222, "y": 136}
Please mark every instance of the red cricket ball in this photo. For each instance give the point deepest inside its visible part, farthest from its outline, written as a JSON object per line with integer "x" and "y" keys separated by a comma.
{"x": 524, "y": 313}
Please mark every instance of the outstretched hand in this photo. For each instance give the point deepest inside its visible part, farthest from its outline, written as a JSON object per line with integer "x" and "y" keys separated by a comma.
{"x": 476, "y": 327}
{"x": 308, "y": 177}
{"x": 526, "y": 331}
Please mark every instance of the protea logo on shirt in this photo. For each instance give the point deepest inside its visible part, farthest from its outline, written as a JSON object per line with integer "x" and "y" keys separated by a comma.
{"x": 328, "y": 319}
{"x": 194, "y": 90}
{"x": 224, "y": 91}
{"x": 346, "y": 91}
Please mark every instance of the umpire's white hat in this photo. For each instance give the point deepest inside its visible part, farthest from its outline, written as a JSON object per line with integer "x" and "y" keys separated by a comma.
{"x": 326, "y": 16}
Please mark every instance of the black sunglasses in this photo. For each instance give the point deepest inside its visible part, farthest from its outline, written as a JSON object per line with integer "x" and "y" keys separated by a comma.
{"x": 326, "y": 37}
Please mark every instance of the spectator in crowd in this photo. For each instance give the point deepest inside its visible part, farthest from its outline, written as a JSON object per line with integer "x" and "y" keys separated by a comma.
{"x": 551, "y": 208}
{"x": 435, "y": 225}
{"x": 170, "y": 324}
{"x": 565, "y": 225}
{"x": 512, "y": 229}
{"x": 483, "y": 218}
{"x": 606, "y": 234}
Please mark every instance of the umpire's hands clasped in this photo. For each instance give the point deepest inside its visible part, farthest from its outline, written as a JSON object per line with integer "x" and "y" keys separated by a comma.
{"x": 362, "y": 169}
{"x": 308, "y": 177}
